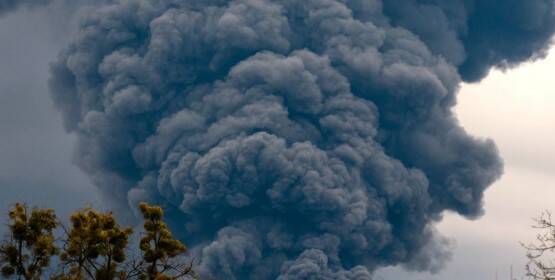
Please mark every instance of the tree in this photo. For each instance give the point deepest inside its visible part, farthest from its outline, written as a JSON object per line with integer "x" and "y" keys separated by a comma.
{"x": 30, "y": 244}
{"x": 92, "y": 247}
{"x": 540, "y": 253}
{"x": 162, "y": 255}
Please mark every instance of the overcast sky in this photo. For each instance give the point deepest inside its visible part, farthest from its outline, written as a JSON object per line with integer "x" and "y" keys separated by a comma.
{"x": 35, "y": 152}
{"x": 514, "y": 108}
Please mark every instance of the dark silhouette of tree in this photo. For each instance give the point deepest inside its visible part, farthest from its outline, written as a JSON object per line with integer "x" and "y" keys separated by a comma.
{"x": 540, "y": 254}
{"x": 92, "y": 247}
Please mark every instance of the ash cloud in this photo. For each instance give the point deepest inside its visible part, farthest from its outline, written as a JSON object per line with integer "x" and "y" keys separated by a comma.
{"x": 476, "y": 35}
{"x": 293, "y": 139}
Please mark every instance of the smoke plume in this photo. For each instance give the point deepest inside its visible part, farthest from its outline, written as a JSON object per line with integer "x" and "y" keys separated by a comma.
{"x": 293, "y": 139}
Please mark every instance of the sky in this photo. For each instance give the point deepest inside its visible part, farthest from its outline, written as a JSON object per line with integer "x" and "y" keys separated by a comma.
{"x": 514, "y": 108}
{"x": 36, "y": 153}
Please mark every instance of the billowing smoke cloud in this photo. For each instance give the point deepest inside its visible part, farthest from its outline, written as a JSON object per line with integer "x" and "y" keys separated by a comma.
{"x": 293, "y": 139}
{"x": 476, "y": 35}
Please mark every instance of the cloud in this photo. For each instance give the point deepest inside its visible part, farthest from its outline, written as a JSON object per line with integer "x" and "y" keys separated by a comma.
{"x": 476, "y": 35}
{"x": 313, "y": 264}
{"x": 292, "y": 138}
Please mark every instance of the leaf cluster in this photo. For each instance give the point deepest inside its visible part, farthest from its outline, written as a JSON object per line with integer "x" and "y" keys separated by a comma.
{"x": 92, "y": 247}
{"x": 161, "y": 252}
{"x": 31, "y": 243}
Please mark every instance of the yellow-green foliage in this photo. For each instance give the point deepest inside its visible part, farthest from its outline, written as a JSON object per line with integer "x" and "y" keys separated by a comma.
{"x": 94, "y": 247}
{"x": 31, "y": 243}
{"x": 159, "y": 247}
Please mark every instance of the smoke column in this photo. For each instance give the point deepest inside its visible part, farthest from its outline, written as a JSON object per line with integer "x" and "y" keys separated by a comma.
{"x": 293, "y": 139}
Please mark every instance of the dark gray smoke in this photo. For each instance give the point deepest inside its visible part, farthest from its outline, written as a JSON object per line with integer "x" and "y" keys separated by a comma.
{"x": 293, "y": 139}
{"x": 475, "y": 35}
